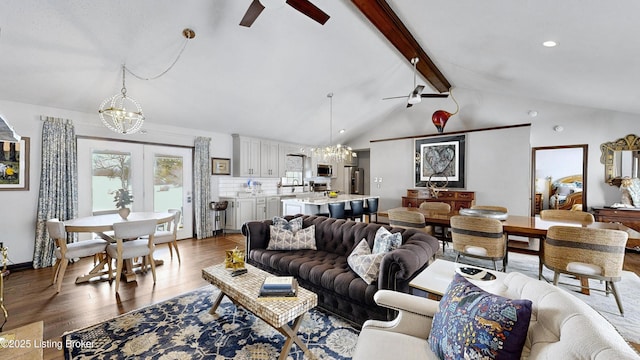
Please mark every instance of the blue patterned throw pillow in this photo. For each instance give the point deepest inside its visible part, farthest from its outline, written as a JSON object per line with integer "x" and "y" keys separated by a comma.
{"x": 474, "y": 324}
{"x": 385, "y": 241}
{"x": 293, "y": 225}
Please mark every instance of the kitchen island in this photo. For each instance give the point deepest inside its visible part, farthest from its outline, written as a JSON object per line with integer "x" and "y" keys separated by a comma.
{"x": 318, "y": 204}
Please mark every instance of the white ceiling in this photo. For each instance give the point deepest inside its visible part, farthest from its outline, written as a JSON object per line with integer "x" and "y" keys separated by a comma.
{"x": 271, "y": 80}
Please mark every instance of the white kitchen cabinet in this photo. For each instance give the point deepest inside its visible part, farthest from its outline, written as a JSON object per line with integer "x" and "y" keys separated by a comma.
{"x": 261, "y": 209}
{"x": 246, "y": 156}
{"x": 269, "y": 156}
{"x": 245, "y": 211}
{"x": 273, "y": 207}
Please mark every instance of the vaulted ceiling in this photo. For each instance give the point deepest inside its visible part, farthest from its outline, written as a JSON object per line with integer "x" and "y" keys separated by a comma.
{"x": 271, "y": 79}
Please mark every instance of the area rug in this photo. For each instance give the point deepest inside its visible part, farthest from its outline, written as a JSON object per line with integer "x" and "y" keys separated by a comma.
{"x": 182, "y": 328}
{"x": 628, "y": 289}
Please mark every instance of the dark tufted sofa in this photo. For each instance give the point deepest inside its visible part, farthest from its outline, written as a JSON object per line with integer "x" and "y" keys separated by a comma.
{"x": 325, "y": 271}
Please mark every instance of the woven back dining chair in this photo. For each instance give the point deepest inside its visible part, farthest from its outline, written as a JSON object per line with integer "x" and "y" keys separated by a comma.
{"x": 442, "y": 233}
{"x": 408, "y": 220}
{"x": 133, "y": 239}
{"x": 68, "y": 252}
{"x": 581, "y": 217}
{"x": 586, "y": 253}
{"x": 479, "y": 237}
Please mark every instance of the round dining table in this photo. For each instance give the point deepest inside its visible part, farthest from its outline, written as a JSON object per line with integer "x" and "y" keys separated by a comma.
{"x": 102, "y": 225}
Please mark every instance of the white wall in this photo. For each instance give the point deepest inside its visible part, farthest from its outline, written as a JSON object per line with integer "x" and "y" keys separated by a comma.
{"x": 490, "y": 156}
{"x": 581, "y": 126}
{"x": 18, "y": 217}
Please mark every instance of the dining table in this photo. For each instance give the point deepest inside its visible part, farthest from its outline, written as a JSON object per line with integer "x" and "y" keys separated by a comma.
{"x": 102, "y": 225}
{"x": 531, "y": 227}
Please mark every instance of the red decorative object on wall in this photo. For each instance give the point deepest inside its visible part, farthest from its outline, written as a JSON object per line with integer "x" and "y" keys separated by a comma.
{"x": 440, "y": 117}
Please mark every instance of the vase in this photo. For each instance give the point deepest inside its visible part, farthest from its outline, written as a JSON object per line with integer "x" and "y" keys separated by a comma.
{"x": 124, "y": 213}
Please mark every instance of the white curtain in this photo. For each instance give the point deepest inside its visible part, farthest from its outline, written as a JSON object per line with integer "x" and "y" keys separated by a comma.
{"x": 58, "y": 197}
{"x": 202, "y": 187}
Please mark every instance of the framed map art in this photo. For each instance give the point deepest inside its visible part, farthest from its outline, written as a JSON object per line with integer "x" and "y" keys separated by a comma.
{"x": 441, "y": 161}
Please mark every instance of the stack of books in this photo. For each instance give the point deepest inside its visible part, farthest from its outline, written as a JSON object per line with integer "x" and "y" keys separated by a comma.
{"x": 279, "y": 286}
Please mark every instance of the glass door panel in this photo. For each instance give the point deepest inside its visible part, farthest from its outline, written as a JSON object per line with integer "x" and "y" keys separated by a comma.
{"x": 171, "y": 185}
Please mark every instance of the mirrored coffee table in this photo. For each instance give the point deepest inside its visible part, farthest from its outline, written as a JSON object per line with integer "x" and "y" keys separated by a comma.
{"x": 243, "y": 291}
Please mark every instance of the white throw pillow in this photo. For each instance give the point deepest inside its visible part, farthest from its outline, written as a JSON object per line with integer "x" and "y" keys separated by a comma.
{"x": 283, "y": 239}
{"x": 364, "y": 263}
{"x": 385, "y": 241}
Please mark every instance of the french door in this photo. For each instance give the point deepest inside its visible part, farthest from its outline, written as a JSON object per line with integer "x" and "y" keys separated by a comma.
{"x": 158, "y": 177}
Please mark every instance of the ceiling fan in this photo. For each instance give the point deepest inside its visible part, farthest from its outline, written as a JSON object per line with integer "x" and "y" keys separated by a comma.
{"x": 304, "y": 6}
{"x": 416, "y": 95}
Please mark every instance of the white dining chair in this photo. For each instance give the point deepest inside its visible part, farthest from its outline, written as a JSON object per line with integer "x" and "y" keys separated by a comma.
{"x": 65, "y": 252}
{"x": 130, "y": 244}
{"x": 168, "y": 235}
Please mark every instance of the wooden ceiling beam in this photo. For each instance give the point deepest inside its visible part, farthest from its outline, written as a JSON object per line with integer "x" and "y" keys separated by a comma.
{"x": 385, "y": 19}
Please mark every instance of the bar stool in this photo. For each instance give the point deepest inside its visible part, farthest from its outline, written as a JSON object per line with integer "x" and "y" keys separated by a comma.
{"x": 372, "y": 208}
{"x": 357, "y": 210}
{"x": 336, "y": 210}
{"x": 219, "y": 208}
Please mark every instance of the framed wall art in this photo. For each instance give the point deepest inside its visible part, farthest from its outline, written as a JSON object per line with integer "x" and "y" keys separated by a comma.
{"x": 440, "y": 161}
{"x": 14, "y": 164}
{"x": 220, "y": 166}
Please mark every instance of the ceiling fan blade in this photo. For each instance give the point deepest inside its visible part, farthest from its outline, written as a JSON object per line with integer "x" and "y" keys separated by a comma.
{"x": 307, "y": 8}
{"x": 434, "y": 95}
{"x": 395, "y": 97}
{"x": 418, "y": 90}
{"x": 252, "y": 13}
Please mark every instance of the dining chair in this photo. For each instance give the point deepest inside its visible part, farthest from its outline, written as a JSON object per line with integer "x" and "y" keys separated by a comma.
{"x": 65, "y": 252}
{"x": 435, "y": 206}
{"x": 130, "y": 244}
{"x": 442, "y": 233}
{"x": 490, "y": 207}
{"x": 168, "y": 235}
{"x": 409, "y": 220}
{"x": 479, "y": 237}
{"x": 581, "y": 217}
{"x": 371, "y": 209}
{"x": 356, "y": 211}
{"x": 336, "y": 210}
{"x": 586, "y": 253}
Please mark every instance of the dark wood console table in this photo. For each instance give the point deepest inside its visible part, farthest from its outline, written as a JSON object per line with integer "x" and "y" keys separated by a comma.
{"x": 627, "y": 217}
{"x": 456, "y": 199}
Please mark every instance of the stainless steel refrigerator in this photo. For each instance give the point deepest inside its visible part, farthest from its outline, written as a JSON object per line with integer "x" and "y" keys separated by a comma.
{"x": 356, "y": 178}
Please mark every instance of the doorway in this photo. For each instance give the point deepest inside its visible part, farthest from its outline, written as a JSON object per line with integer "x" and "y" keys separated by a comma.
{"x": 559, "y": 178}
{"x": 158, "y": 177}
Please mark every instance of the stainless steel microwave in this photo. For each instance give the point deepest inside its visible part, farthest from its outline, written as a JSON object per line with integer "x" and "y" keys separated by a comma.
{"x": 324, "y": 170}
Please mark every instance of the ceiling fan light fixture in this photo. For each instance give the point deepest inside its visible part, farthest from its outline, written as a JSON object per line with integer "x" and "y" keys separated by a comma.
{"x": 272, "y": 4}
{"x": 414, "y": 99}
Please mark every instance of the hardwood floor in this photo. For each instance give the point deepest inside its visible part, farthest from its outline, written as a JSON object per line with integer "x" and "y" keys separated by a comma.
{"x": 29, "y": 295}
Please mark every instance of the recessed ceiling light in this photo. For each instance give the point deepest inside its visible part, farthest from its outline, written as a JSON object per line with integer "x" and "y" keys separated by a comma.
{"x": 342, "y": 131}
{"x": 532, "y": 113}
{"x": 549, "y": 43}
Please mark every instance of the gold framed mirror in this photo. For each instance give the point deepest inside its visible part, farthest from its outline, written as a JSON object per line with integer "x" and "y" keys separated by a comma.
{"x": 621, "y": 158}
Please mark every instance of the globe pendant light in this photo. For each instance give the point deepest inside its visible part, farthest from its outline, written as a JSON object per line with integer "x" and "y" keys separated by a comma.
{"x": 121, "y": 113}
{"x": 440, "y": 117}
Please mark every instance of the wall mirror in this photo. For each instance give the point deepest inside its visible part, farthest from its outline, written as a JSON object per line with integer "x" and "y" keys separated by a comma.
{"x": 621, "y": 158}
{"x": 559, "y": 178}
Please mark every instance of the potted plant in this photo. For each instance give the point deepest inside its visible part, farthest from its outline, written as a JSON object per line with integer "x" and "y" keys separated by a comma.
{"x": 123, "y": 198}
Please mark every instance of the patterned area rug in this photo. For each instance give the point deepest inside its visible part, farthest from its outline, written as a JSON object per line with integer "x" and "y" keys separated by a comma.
{"x": 628, "y": 289}
{"x": 182, "y": 328}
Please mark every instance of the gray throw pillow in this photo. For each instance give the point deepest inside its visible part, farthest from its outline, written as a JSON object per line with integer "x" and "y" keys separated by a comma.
{"x": 293, "y": 225}
{"x": 364, "y": 263}
{"x": 283, "y": 239}
{"x": 385, "y": 241}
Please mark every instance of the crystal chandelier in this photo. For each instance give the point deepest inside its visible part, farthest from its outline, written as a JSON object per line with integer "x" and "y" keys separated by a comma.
{"x": 114, "y": 113}
{"x": 332, "y": 153}
{"x": 123, "y": 114}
